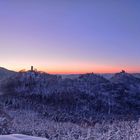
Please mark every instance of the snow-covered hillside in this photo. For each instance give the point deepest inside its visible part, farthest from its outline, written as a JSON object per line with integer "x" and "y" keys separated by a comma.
{"x": 84, "y": 100}
{"x": 19, "y": 137}
{"x": 31, "y": 123}
{"x": 50, "y": 106}
{"x": 5, "y": 73}
{"x": 85, "y": 96}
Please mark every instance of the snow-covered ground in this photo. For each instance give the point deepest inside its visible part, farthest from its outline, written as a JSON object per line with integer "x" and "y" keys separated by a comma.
{"x": 19, "y": 137}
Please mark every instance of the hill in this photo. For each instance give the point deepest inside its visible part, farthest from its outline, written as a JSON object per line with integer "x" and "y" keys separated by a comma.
{"x": 39, "y": 101}
{"x": 5, "y": 73}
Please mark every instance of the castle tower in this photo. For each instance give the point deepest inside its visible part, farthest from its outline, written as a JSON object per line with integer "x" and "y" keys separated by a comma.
{"x": 123, "y": 71}
{"x": 32, "y": 68}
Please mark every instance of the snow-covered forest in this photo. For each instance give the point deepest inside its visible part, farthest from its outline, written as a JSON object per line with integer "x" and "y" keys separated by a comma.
{"x": 87, "y": 107}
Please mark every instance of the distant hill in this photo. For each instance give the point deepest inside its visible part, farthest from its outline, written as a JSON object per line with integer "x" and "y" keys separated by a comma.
{"x": 5, "y": 73}
{"x": 125, "y": 78}
{"x": 136, "y": 75}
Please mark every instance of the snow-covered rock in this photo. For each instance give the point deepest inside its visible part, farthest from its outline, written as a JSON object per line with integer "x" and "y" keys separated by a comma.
{"x": 19, "y": 137}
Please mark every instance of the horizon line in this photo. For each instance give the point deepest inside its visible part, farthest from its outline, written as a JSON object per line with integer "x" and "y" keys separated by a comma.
{"x": 75, "y": 72}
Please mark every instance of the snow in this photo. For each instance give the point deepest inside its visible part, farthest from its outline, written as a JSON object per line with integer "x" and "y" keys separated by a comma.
{"x": 19, "y": 137}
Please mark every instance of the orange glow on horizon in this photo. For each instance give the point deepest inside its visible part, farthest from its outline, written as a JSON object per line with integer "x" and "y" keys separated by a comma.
{"x": 75, "y": 68}
{"x": 83, "y": 71}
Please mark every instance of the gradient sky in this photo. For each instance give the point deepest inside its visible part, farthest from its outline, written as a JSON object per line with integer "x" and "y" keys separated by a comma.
{"x": 70, "y": 36}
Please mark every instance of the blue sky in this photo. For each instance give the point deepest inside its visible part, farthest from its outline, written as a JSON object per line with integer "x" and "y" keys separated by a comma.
{"x": 70, "y": 36}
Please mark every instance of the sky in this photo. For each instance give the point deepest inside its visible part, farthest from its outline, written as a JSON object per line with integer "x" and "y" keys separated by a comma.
{"x": 70, "y": 36}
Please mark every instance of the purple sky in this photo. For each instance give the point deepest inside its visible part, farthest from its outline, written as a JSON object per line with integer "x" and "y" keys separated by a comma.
{"x": 70, "y": 36}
